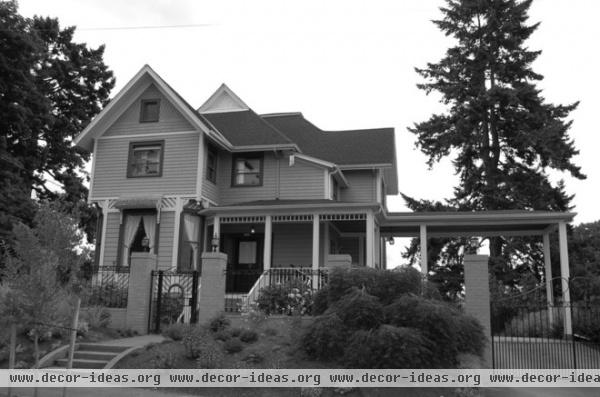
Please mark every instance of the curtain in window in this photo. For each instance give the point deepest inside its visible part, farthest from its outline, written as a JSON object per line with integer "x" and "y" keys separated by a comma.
{"x": 132, "y": 223}
{"x": 191, "y": 226}
{"x": 240, "y": 168}
{"x": 150, "y": 228}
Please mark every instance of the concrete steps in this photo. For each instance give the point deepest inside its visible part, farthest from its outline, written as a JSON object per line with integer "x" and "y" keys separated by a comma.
{"x": 91, "y": 355}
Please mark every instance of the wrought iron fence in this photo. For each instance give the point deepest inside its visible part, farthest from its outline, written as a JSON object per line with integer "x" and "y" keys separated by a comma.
{"x": 106, "y": 286}
{"x": 174, "y": 298}
{"x": 529, "y": 332}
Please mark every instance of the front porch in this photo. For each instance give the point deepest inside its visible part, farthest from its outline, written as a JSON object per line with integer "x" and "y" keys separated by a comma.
{"x": 284, "y": 237}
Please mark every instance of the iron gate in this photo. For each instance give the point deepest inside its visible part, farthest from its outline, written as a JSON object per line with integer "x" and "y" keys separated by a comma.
{"x": 527, "y": 332}
{"x": 174, "y": 298}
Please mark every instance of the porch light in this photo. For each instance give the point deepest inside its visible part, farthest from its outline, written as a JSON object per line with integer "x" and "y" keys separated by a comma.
{"x": 391, "y": 240}
{"x": 252, "y": 229}
{"x": 215, "y": 242}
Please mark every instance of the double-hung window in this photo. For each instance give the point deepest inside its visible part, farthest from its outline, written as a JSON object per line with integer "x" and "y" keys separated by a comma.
{"x": 247, "y": 170}
{"x": 211, "y": 165}
{"x": 145, "y": 159}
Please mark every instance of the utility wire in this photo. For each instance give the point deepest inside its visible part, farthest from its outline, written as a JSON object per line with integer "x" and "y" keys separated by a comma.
{"x": 105, "y": 28}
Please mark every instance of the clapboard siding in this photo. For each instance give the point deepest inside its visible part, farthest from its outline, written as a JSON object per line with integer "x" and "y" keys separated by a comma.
{"x": 111, "y": 240}
{"x": 292, "y": 244}
{"x": 165, "y": 239}
{"x": 209, "y": 189}
{"x": 179, "y": 171}
{"x": 170, "y": 119}
{"x": 280, "y": 181}
{"x": 362, "y": 187}
{"x": 231, "y": 195}
{"x": 301, "y": 181}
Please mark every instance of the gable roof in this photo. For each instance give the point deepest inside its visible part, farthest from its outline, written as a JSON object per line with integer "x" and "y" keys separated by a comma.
{"x": 344, "y": 148}
{"x": 128, "y": 94}
{"x": 246, "y": 128}
{"x": 223, "y": 100}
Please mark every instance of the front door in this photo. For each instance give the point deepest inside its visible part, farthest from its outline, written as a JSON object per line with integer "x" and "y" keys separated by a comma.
{"x": 246, "y": 264}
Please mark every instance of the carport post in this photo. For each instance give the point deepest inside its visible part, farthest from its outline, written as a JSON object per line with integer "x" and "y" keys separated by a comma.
{"x": 564, "y": 275}
{"x": 423, "y": 238}
{"x": 548, "y": 279}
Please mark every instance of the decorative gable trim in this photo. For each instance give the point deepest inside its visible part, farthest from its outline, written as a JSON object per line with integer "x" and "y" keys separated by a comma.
{"x": 121, "y": 102}
{"x": 222, "y": 101}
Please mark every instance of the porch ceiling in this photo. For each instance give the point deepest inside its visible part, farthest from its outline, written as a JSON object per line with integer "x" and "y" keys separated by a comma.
{"x": 484, "y": 223}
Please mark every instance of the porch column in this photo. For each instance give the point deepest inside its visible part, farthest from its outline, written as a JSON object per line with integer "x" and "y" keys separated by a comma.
{"x": 548, "y": 279}
{"x": 370, "y": 225}
{"x": 423, "y": 238}
{"x": 315, "y": 242}
{"x": 268, "y": 242}
{"x": 564, "y": 275}
{"x": 217, "y": 231}
{"x": 104, "y": 207}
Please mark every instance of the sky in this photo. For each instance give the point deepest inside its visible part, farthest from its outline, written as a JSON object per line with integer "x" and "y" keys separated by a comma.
{"x": 344, "y": 64}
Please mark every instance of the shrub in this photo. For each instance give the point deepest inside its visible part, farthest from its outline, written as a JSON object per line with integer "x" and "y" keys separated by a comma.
{"x": 163, "y": 359}
{"x": 320, "y": 301}
{"x": 444, "y": 325}
{"x": 219, "y": 323}
{"x": 270, "y": 331}
{"x": 325, "y": 338}
{"x": 209, "y": 355}
{"x": 233, "y": 345}
{"x": 236, "y": 331}
{"x": 288, "y": 298}
{"x": 195, "y": 340}
{"x": 248, "y": 336}
{"x": 253, "y": 356}
{"x": 96, "y": 316}
{"x": 222, "y": 335}
{"x": 388, "y": 347}
{"x": 358, "y": 309}
{"x": 176, "y": 331}
{"x": 387, "y": 285}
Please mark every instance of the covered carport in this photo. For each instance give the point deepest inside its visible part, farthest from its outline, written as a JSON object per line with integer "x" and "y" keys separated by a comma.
{"x": 426, "y": 225}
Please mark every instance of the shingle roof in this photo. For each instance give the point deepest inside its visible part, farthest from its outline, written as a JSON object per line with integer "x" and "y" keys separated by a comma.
{"x": 352, "y": 147}
{"x": 246, "y": 128}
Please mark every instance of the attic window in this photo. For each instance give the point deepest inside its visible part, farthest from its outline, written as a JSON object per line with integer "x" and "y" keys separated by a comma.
{"x": 149, "y": 111}
{"x": 247, "y": 170}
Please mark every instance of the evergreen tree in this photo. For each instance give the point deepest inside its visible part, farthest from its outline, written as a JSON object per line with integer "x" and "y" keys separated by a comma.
{"x": 501, "y": 133}
{"x": 50, "y": 88}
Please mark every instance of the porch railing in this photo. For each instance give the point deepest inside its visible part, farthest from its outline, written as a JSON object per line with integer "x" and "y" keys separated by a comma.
{"x": 286, "y": 277}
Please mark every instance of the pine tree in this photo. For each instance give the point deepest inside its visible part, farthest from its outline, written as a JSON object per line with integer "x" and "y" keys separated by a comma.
{"x": 501, "y": 133}
{"x": 50, "y": 88}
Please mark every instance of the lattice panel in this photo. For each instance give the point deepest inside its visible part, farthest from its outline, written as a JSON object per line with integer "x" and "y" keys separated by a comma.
{"x": 168, "y": 203}
{"x": 343, "y": 217}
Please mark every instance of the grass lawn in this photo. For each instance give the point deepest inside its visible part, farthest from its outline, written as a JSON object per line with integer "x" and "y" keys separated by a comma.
{"x": 276, "y": 347}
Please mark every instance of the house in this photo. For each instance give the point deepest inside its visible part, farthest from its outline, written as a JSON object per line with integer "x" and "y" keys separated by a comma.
{"x": 271, "y": 191}
{"x": 277, "y": 190}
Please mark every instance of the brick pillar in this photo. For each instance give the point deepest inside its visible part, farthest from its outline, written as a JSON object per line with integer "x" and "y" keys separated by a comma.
{"x": 212, "y": 285}
{"x": 138, "y": 298}
{"x": 477, "y": 298}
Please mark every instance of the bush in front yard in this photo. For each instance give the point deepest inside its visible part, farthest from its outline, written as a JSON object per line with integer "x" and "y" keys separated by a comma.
{"x": 450, "y": 331}
{"x": 249, "y": 336}
{"x": 387, "y": 285}
{"x": 233, "y": 345}
{"x": 358, "y": 310}
{"x": 326, "y": 338}
{"x": 219, "y": 323}
{"x": 388, "y": 347}
{"x": 292, "y": 297}
{"x": 195, "y": 341}
{"x": 176, "y": 331}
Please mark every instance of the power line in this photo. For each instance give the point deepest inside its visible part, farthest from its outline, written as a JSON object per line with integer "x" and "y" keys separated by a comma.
{"x": 106, "y": 28}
